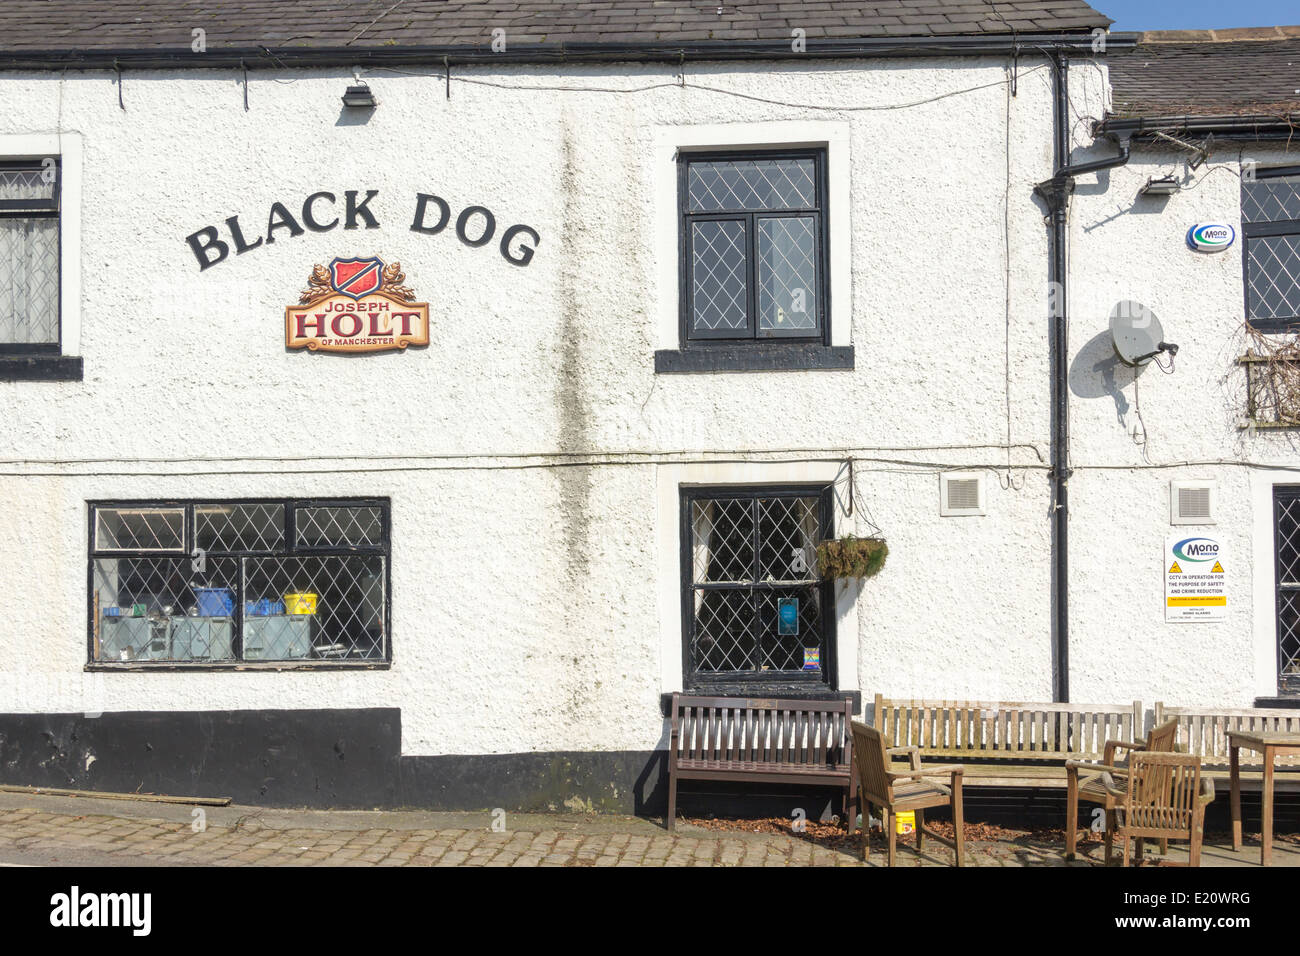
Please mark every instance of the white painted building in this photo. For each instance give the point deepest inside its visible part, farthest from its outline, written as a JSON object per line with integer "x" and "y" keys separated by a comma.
{"x": 763, "y": 294}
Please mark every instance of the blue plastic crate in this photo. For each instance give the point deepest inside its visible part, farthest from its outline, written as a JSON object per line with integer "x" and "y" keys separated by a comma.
{"x": 263, "y": 608}
{"x": 215, "y": 602}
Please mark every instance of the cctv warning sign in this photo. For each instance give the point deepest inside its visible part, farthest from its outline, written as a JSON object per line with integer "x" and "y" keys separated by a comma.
{"x": 1195, "y": 582}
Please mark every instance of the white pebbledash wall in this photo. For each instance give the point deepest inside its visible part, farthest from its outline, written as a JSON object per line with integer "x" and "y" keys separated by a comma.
{"x": 536, "y": 608}
{"x": 1126, "y": 246}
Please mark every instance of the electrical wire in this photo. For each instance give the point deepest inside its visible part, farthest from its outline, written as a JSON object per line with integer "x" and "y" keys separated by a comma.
{"x": 1137, "y": 408}
{"x": 366, "y": 28}
{"x": 684, "y": 83}
{"x": 637, "y": 457}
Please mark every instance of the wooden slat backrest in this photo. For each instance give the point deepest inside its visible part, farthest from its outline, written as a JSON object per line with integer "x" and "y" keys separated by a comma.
{"x": 1163, "y": 736}
{"x": 872, "y": 763}
{"x": 1162, "y": 791}
{"x": 1204, "y": 730}
{"x": 1005, "y": 729}
{"x": 738, "y": 731}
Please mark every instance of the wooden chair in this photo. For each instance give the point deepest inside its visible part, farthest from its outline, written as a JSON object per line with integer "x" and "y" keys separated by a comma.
{"x": 1166, "y": 798}
{"x": 894, "y": 791}
{"x": 1103, "y": 788}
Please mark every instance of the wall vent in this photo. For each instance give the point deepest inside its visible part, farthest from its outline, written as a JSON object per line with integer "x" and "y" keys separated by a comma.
{"x": 1193, "y": 502}
{"x": 961, "y": 493}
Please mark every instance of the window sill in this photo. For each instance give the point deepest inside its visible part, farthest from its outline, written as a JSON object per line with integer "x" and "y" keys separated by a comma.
{"x": 40, "y": 368}
{"x": 238, "y": 666}
{"x": 760, "y": 357}
{"x": 766, "y": 692}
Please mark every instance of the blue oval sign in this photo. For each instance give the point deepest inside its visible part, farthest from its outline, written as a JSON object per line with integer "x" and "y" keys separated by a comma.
{"x": 1211, "y": 237}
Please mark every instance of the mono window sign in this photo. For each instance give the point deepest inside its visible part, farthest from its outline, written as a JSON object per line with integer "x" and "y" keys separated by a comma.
{"x": 1211, "y": 237}
{"x": 29, "y": 256}
{"x": 753, "y": 246}
{"x": 220, "y": 583}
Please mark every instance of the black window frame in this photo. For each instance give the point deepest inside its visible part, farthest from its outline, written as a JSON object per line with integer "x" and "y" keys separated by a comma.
{"x": 689, "y": 339}
{"x": 289, "y": 549}
{"x": 751, "y": 683}
{"x": 38, "y": 209}
{"x": 1258, "y": 230}
{"x": 1286, "y": 688}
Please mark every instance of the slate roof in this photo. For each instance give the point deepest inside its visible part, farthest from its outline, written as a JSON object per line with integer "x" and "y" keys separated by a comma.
{"x": 97, "y": 25}
{"x": 1211, "y": 73}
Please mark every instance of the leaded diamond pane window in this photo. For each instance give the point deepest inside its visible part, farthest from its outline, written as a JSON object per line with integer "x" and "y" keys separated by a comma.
{"x": 752, "y": 184}
{"x": 1286, "y": 539}
{"x": 255, "y": 527}
{"x": 1270, "y": 212}
{"x": 754, "y": 608}
{"x": 140, "y": 529}
{"x": 720, "y": 287}
{"x": 29, "y": 256}
{"x": 247, "y": 590}
{"x": 339, "y": 527}
{"x": 1273, "y": 277}
{"x": 753, "y": 234}
{"x": 1272, "y": 196}
{"x": 787, "y": 275}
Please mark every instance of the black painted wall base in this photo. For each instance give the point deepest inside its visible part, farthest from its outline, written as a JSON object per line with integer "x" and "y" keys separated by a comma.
{"x": 275, "y": 758}
{"x": 630, "y": 782}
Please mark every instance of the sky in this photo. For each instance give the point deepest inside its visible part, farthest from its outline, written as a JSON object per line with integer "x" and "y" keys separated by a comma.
{"x": 1197, "y": 14}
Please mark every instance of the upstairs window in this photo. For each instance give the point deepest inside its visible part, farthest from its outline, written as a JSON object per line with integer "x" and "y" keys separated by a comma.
{"x": 753, "y": 230}
{"x": 29, "y": 257}
{"x": 1270, "y": 215}
{"x": 227, "y": 582}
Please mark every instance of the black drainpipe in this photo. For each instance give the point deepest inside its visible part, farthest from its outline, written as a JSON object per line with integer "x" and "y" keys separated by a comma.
{"x": 1056, "y": 193}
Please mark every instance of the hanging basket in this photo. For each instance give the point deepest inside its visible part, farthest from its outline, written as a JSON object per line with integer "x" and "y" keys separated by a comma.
{"x": 851, "y": 557}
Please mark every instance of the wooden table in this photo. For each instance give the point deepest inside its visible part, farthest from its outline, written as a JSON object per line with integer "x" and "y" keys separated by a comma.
{"x": 1270, "y": 745}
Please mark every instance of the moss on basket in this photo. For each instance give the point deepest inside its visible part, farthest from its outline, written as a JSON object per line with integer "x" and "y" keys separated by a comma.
{"x": 851, "y": 557}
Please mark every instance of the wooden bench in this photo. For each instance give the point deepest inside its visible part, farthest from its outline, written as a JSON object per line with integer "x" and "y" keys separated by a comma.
{"x": 1016, "y": 744}
{"x": 1007, "y": 743}
{"x": 1204, "y": 731}
{"x": 762, "y": 740}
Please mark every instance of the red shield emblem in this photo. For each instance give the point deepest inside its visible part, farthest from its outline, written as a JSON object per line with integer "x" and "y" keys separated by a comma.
{"x": 356, "y": 278}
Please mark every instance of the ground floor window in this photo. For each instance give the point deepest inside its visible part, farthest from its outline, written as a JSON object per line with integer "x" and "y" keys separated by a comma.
{"x": 1286, "y": 539}
{"x": 224, "y": 582}
{"x": 755, "y": 616}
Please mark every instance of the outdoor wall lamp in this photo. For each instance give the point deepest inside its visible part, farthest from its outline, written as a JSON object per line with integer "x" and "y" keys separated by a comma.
{"x": 1164, "y": 186}
{"x": 359, "y": 97}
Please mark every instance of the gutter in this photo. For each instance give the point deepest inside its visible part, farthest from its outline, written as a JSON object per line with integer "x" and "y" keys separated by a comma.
{"x": 262, "y": 57}
{"x": 1275, "y": 126}
{"x": 1056, "y": 193}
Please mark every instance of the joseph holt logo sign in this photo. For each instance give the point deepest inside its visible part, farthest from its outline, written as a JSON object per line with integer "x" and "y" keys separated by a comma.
{"x": 356, "y": 305}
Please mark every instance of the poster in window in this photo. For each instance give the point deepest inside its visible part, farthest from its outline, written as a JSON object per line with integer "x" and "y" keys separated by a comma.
{"x": 787, "y": 617}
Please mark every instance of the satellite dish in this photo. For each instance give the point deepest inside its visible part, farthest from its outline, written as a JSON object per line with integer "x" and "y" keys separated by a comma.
{"x": 1136, "y": 334}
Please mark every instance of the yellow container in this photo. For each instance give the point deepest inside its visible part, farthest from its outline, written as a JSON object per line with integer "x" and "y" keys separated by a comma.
{"x": 905, "y": 822}
{"x": 304, "y": 603}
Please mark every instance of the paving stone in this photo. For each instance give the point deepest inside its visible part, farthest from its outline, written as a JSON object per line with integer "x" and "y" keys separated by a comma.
{"x": 590, "y": 841}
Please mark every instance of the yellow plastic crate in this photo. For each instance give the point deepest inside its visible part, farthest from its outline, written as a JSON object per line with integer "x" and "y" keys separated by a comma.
{"x": 300, "y": 603}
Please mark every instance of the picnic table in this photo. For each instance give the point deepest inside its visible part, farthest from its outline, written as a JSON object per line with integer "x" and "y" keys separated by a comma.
{"x": 1270, "y": 744}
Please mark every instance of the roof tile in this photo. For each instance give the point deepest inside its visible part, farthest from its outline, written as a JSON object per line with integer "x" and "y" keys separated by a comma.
{"x": 1167, "y": 75}
{"x": 99, "y": 25}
